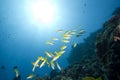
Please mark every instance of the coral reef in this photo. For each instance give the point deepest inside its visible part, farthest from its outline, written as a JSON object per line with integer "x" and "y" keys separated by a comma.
{"x": 87, "y": 67}
{"x": 108, "y": 47}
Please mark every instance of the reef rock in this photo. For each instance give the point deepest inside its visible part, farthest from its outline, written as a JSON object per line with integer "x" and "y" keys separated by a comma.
{"x": 89, "y": 67}
{"x": 108, "y": 48}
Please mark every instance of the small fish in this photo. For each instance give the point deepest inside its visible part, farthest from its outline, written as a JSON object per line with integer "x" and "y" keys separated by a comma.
{"x": 35, "y": 64}
{"x": 66, "y": 37}
{"x": 81, "y": 31}
{"x": 75, "y": 44}
{"x": 50, "y": 42}
{"x": 58, "y": 54}
{"x": 55, "y": 39}
{"x": 58, "y": 66}
{"x": 16, "y": 71}
{"x": 48, "y": 64}
{"x": 49, "y": 54}
{"x": 43, "y": 62}
{"x": 55, "y": 58}
{"x": 63, "y": 47}
{"x": 66, "y": 32}
{"x": 30, "y": 76}
{"x": 52, "y": 65}
{"x": 65, "y": 41}
{"x": 72, "y": 32}
{"x": 59, "y": 30}
{"x": 61, "y": 52}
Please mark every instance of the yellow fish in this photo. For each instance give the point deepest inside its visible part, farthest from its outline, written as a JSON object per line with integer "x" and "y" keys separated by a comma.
{"x": 55, "y": 39}
{"x": 49, "y": 54}
{"x": 52, "y": 65}
{"x": 66, "y": 37}
{"x": 63, "y": 47}
{"x": 65, "y": 41}
{"x": 58, "y": 54}
{"x": 35, "y": 64}
{"x": 43, "y": 62}
{"x": 16, "y": 71}
{"x": 50, "y": 42}
{"x": 75, "y": 44}
{"x": 80, "y": 33}
{"x": 30, "y": 76}
{"x": 48, "y": 64}
{"x": 58, "y": 66}
{"x": 72, "y": 32}
{"x": 59, "y": 30}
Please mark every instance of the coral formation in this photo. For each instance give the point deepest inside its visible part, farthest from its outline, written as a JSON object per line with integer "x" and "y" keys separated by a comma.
{"x": 87, "y": 67}
{"x": 108, "y": 47}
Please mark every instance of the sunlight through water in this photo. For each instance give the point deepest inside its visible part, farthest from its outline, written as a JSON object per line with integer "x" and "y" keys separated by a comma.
{"x": 43, "y": 11}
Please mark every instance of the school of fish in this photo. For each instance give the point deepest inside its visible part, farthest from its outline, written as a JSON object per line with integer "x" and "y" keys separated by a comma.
{"x": 51, "y": 58}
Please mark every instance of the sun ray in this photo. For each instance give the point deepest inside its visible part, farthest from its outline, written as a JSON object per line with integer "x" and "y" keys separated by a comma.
{"x": 43, "y": 11}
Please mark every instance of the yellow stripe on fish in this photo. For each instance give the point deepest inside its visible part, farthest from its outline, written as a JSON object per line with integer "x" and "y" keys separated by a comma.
{"x": 66, "y": 37}
{"x": 75, "y": 44}
{"x": 49, "y": 54}
{"x": 58, "y": 66}
{"x": 35, "y": 64}
{"x": 43, "y": 63}
{"x": 63, "y": 47}
{"x": 50, "y": 42}
{"x": 55, "y": 39}
{"x": 16, "y": 71}
{"x": 59, "y": 30}
{"x": 58, "y": 54}
{"x": 65, "y": 41}
{"x": 52, "y": 65}
{"x": 30, "y": 76}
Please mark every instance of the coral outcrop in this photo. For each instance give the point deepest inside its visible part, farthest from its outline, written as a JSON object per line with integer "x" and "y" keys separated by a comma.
{"x": 88, "y": 67}
{"x": 108, "y": 47}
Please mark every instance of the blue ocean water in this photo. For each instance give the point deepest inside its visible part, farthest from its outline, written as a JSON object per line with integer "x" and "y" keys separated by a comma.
{"x": 22, "y": 40}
